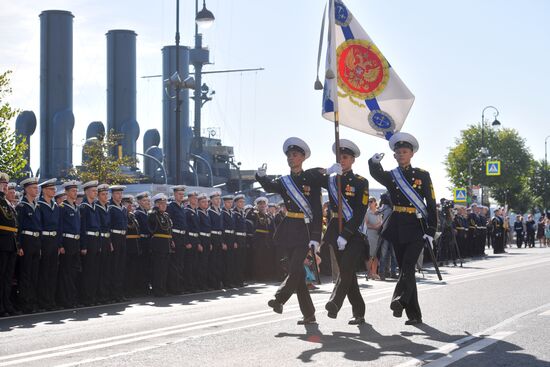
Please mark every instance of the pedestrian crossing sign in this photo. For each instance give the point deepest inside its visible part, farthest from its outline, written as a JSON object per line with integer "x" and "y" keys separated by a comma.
{"x": 492, "y": 168}
{"x": 460, "y": 195}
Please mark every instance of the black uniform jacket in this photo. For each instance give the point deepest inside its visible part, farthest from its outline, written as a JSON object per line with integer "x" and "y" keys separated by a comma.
{"x": 309, "y": 182}
{"x": 355, "y": 189}
{"x": 402, "y": 226}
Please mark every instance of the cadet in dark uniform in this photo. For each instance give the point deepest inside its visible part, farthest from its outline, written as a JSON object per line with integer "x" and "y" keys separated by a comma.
{"x": 405, "y": 230}
{"x": 473, "y": 240}
{"x": 301, "y": 228}
{"x": 498, "y": 232}
{"x": 69, "y": 252}
{"x": 51, "y": 240}
{"x": 228, "y": 242}
{"x": 132, "y": 273}
{"x": 263, "y": 251}
{"x": 106, "y": 248}
{"x": 239, "y": 252}
{"x": 60, "y": 197}
{"x": 460, "y": 224}
{"x": 215, "y": 262}
{"x": 349, "y": 243}
{"x": 89, "y": 244}
{"x": 8, "y": 248}
{"x": 191, "y": 266}
{"x": 12, "y": 196}
{"x": 144, "y": 205}
{"x": 176, "y": 210}
{"x": 30, "y": 227}
{"x": 119, "y": 225}
{"x": 160, "y": 226}
{"x": 205, "y": 226}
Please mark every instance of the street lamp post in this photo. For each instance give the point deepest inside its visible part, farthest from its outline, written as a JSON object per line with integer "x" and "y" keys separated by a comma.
{"x": 484, "y": 150}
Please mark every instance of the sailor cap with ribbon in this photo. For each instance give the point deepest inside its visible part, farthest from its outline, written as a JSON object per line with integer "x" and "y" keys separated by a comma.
{"x": 298, "y": 145}
{"x": 89, "y": 184}
{"x": 159, "y": 197}
{"x": 29, "y": 181}
{"x": 192, "y": 193}
{"x": 127, "y": 198}
{"x": 228, "y": 197}
{"x": 202, "y": 196}
{"x": 59, "y": 194}
{"x": 178, "y": 188}
{"x": 260, "y": 199}
{"x": 102, "y": 188}
{"x": 215, "y": 193}
{"x": 142, "y": 195}
{"x": 347, "y": 147}
{"x": 117, "y": 188}
{"x": 403, "y": 140}
{"x": 71, "y": 184}
{"x": 238, "y": 197}
{"x": 48, "y": 183}
{"x": 12, "y": 186}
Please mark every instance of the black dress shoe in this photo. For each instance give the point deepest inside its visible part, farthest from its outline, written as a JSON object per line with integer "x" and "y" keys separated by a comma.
{"x": 276, "y": 306}
{"x": 397, "y": 308}
{"x": 357, "y": 321}
{"x": 307, "y": 320}
{"x": 332, "y": 309}
{"x": 413, "y": 321}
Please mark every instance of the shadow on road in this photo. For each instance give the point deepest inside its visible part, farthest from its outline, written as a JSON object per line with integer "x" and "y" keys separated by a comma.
{"x": 86, "y": 313}
{"x": 369, "y": 345}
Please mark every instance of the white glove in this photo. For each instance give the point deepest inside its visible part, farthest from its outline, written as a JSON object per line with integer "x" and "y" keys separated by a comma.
{"x": 261, "y": 172}
{"x": 315, "y": 245}
{"x": 377, "y": 157}
{"x": 429, "y": 238}
{"x": 341, "y": 241}
{"x": 335, "y": 168}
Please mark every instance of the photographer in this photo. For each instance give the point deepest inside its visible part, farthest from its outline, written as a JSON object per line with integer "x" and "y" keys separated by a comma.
{"x": 447, "y": 245}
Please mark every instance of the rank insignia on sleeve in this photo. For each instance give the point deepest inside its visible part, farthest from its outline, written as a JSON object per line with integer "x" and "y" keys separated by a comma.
{"x": 365, "y": 199}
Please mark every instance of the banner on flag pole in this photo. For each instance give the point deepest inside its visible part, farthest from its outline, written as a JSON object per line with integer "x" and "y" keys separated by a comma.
{"x": 360, "y": 83}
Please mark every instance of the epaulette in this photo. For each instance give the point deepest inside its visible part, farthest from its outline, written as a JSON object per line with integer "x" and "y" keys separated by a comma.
{"x": 359, "y": 177}
{"x": 420, "y": 169}
{"x": 61, "y": 205}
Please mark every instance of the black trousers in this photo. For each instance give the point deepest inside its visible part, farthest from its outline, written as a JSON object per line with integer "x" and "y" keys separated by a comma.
{"x": 405, "y": 291}
{"x": 295, "y": 281}
{"x": 519, "y": 238}
{"x": 132, "y": 284}
{"x": 28, "y": 272}
{"x": 104, "y": 272}
{"x": 530, "y": 239}
{"x": 159, "y": 255}
{"x": 118, "y": 265}
{"x": 229, "y": 270}
{"x": 190, "y": 268}
{"x": 7, "y": 268}
{"x": 89, "y": 281}
{"x": 215, "y": 263}
{"x": 69, "y": 267}
{"x": 240, "y": 254}
{"x": 47, "y": 273}
{"x": 175, "y": 282}
{"x": 202, "y": 270}
{"x": 346, "y": 284}
{"x": 145, "y": 265}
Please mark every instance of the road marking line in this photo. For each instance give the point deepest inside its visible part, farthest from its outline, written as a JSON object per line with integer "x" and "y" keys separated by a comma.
{"x": 546, "y": 313}
{"x": 221, "y": 321}
{"x": 470, "y": 349}
{"x": 418, "y": 361}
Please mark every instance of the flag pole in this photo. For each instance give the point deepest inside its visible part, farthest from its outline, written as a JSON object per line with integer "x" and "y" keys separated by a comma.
{"x": 332, "y": 49}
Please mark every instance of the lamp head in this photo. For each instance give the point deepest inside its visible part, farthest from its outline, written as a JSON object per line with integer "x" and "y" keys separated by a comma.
{"x": 204, "y": 18}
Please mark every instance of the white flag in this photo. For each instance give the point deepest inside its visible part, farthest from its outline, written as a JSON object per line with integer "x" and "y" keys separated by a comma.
{"x": 365, "y": 90}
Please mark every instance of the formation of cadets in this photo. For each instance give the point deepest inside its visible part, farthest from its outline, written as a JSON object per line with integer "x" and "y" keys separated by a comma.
{"x": 70, "y": 249}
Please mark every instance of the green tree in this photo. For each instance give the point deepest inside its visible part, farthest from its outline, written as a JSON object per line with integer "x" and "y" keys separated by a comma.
{"x": 99, "y": 164}
{"x": 467, "y": 157}
{"x": 12, "y": 157}
{"x": 539, "y": 183}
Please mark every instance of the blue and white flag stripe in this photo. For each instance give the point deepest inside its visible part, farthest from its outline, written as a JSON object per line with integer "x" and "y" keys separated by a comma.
{"x": 382, "y": 112}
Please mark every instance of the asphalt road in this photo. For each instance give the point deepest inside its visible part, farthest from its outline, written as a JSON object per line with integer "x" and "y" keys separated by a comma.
{"x": 491, "y": 312}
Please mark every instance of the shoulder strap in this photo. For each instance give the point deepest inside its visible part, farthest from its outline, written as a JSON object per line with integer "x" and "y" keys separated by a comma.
{"x": 297, "y": 195}
{"x": 409, "y": 192}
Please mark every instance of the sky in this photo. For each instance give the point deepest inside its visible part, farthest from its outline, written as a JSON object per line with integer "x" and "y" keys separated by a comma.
{"x": 455, "y": 56}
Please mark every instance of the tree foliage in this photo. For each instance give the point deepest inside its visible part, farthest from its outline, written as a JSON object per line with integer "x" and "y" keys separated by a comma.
{"x": 504, "y": 145}
{"x": 12, "y": 152}
{"x": 99, "y": 164}
{"x": 539, "y": 182}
